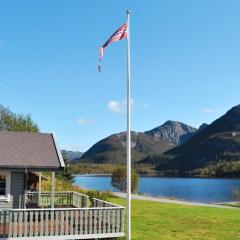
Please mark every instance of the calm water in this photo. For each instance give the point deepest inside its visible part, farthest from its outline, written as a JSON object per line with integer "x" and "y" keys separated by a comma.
{"x": 190, "y": 189}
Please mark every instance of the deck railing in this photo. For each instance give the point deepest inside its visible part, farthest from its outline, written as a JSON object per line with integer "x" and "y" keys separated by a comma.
{"x": 98, "y": 203}
{"x": 63, "y": 223}
{"x": 61, "y": 199}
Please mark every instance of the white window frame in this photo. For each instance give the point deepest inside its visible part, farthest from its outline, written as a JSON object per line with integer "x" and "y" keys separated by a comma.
{"x": 7, "y": 196}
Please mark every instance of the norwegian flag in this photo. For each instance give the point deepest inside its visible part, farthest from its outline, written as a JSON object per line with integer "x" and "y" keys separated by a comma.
{"x": 121, "y": 33}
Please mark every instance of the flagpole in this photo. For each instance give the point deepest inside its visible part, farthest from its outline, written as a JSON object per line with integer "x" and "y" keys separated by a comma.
{"x": 128, "y": 132}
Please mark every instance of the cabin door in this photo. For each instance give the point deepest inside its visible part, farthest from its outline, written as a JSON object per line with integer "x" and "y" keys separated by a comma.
{"x": 17, "y": 188}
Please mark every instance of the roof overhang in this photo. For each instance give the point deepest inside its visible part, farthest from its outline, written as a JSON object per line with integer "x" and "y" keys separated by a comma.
{"x": 60, "y": 157}
{"x": 32, "y": 168}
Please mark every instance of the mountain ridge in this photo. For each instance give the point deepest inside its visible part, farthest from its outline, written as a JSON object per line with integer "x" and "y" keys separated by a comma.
{"x": 72, "y": 155}
{"x": 173, "y": 131}
{"x": 175, "y": 148}
{"x": 208, "y": 151}
{"x": 112, "y": 149}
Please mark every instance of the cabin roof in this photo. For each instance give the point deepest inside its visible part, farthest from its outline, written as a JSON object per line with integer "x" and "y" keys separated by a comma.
{"x": 26, "y": 150}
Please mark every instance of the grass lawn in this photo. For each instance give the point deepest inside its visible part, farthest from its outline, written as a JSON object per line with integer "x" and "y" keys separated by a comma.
{"x": 161, "y": 221}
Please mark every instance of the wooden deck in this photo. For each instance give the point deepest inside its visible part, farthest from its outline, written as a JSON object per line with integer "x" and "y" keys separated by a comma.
{"x": 103, "y": 220}
{"x": 61, "y": 199}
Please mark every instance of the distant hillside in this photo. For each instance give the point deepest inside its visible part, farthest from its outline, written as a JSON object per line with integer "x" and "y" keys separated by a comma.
{"x": 113, "y": 148}
{"x": 173, "y": 132}
{"x": 72, "y": 155}
{"x": 158, "y": 140}
{"x": 215, "y": 150}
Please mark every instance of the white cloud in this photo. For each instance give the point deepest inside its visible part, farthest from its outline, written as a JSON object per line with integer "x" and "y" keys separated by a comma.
{"x": 119, "y": 106}
{"x": 115, "y": 106}
{"x": 208, "y": 110}
{"x": 85, "y": 121}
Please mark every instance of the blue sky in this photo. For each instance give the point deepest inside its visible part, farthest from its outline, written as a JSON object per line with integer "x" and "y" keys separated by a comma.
{"x": 185, "y": 64}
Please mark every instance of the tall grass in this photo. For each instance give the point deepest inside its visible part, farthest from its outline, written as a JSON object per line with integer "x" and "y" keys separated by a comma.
{"x": 61, "y": 185}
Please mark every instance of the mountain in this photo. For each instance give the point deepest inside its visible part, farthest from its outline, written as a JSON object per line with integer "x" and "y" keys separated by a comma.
{"x": 202, "y": 126}
{"x": 215, "y": 150}
{"x": 158, "y": 140}
{"x": 72, "y": 155}
{"x": 113, "y": 148}
{"x": 173, "y": 132}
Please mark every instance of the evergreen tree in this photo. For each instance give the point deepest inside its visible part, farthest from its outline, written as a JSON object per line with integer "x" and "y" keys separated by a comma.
{"x": 67, "y": 174}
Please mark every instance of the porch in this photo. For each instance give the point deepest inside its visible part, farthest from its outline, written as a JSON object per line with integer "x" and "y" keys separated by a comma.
{"x": 46, "y": 215}
{"x": 74, "y": 216}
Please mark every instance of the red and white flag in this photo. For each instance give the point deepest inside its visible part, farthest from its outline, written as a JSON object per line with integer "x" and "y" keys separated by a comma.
{"x": 121, "y": 33}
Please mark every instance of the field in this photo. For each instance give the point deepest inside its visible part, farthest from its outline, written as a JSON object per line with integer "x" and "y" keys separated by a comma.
{"x": 160, "y": 221}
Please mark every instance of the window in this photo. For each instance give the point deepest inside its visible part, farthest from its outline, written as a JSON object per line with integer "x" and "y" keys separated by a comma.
{"x": 3, "y": 185}
{"x": 5, "y": 179}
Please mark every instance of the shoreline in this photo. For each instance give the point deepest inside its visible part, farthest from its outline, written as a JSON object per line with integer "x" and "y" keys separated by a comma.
{"x": 174, "y": 201}
{"x": 154, "y": 176}
{"x": 160, "y": 198}
{"x": 92, "y": 175}
{"x": 168, "y": 200}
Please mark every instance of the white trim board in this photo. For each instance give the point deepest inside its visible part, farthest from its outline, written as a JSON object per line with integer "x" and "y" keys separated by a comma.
{"x": 65, "y": 237}
{"x": 58, "y": 151}
{"x": 7, "y": 197}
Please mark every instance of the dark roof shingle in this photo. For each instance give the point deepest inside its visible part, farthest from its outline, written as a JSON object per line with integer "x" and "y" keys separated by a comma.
{"x": 29, "y": 150}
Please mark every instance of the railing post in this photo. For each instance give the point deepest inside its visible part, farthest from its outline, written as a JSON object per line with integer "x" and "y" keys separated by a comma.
{"x": 53, "y": 190}
{"x": 25, "y": 187}
{"x": 39, "y": 188}
{"x": 84, "y": 201}
{"x": 25, "y": 199}
{"x": 122, "y": 220}
{"x": 71, "y": 198}
{"x": 5, "y": 216}
{"x": 94, "y": 202}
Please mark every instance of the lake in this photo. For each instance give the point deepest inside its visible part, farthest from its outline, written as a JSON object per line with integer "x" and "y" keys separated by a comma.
{"x": 202, "y": 190}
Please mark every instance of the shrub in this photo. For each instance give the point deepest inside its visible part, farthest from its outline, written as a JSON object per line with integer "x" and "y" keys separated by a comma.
{"x": 236, "y": 194}
{"x": 99, "y": 195}
{"x": 119, "y": 179}
{"x": 66, "y": 174}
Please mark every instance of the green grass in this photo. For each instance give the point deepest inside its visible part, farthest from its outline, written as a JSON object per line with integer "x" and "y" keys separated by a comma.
{"x": 160, "y": 221}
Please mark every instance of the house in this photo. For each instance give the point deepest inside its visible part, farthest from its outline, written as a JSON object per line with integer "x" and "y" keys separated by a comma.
{"x": 26, "y": 212}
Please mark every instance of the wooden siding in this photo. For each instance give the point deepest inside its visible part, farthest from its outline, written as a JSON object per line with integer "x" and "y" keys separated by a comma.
{"x": 16, "y": 191}
{"x": 6, "y": 205}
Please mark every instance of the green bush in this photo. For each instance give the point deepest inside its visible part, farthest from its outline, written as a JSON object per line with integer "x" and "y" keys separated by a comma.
{"x": 119, "y": 179}
{"x": 66, "y": 174}
{"x": 236, "y": 194}
{"x": 99, "y": 195}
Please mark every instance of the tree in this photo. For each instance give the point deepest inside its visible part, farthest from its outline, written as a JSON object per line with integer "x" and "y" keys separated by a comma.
{"x": 236, "y": 194}
{"x": 67, "y": 174}
{"x": 10, "y": 121}
{"x": 119, "y": 179}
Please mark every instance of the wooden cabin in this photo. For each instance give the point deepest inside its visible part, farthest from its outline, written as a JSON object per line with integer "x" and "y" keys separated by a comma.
{"x": 26, "y": 212}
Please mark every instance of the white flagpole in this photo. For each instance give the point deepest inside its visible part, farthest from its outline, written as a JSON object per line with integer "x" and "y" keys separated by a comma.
{"x": 128, "y": 132}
